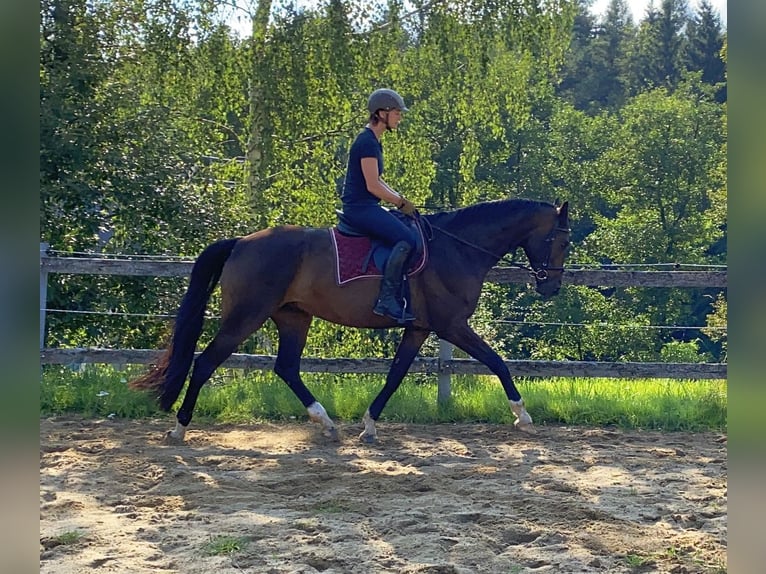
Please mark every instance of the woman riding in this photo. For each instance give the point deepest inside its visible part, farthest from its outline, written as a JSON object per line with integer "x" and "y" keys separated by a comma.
{"x": 364, "y": 189}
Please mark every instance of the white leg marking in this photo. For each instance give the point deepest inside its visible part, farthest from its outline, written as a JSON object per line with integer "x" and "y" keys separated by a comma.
{"x": 176, "y": 436}
{"x": 317, "y": 414}
{"x": 370, "y": 433}
{"x": 523, "y": 421}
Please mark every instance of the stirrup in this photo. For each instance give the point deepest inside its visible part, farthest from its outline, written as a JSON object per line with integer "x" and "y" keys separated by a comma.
{"x": 400, "y": 317}
{"x": 406, "y": 316}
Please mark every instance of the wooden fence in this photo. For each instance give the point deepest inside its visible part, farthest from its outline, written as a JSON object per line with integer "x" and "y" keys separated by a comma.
{"x": 444, "y": 365}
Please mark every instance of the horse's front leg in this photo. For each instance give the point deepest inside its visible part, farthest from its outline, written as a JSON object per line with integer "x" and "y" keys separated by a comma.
{"x": 467, "y": 339}
{"x": 317, "y": 414}
{"x": 412, "y": 340}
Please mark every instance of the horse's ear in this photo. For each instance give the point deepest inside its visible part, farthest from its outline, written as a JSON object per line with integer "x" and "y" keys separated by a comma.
{"x": 564, "y": 212}
{"x": 556, "y": 202}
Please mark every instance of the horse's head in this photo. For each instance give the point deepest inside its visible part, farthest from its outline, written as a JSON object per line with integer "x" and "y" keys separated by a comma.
{"x": 546, "y": 248}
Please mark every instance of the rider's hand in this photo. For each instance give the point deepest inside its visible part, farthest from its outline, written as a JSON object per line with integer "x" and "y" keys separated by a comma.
{"x": 407, "y": 207}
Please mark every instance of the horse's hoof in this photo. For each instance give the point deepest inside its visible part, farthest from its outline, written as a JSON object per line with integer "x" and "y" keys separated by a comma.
{"x": 528, "y": 428}
{"x": 170, "y": 440}
{"x": 367, "y": 438}
{"x": 332, "y": 434}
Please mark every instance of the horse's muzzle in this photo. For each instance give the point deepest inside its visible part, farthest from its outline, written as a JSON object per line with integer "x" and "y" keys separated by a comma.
{"x": 548, "y": 288}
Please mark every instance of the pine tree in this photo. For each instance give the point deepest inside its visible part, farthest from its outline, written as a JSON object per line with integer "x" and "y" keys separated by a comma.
{"x": 655, "y": 58}
{"x": 610, "y": 45}
{"x": 703, "y": 49}
{"x": 673, "y": 18}
{"x": 581, "y": 73}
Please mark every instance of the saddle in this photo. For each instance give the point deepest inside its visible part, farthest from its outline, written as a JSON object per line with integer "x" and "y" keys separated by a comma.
{"x": 358, "y": 256}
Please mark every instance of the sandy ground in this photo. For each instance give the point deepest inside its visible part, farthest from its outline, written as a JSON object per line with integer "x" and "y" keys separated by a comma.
{"x": 458, "y": 498}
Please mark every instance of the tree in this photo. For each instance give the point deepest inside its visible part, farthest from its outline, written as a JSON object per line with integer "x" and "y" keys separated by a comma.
{"x": 655, "y": 55}
{"x": 579, "y": 74}
{"x": 704, "y": 43}
{"x": 666, "y": 185}
{"x": 126, "y": 153}
{"x": 591, "y": 76}
{"x": 72, "y": 132}
{"x": 611, "y": 45}
{"x": 259, "y": 141}
{"x": 600, "y": 328}
{"x": 483, "y": 75}
{"x": 664, "y": 174}
{"x": 576, "y": 143}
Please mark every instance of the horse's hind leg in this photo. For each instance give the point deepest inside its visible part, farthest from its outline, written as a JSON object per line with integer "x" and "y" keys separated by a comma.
{"x": 236, "y": 326}
{"x": 408, "y": 347}
{"x": 293, "y": 327}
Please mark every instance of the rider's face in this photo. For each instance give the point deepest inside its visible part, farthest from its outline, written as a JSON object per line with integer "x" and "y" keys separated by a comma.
{"x": 392, "y": 118}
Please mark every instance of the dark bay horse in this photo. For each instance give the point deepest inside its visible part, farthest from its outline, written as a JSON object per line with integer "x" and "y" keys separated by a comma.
{"x": 286, "y": 274}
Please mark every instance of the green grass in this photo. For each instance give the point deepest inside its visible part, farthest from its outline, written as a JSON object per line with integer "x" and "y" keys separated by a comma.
{"x": 223, "y": 545}
{"x": 68, "y": 538}
{"x": 636, "y": 561}
{"x": 233, "y": 397}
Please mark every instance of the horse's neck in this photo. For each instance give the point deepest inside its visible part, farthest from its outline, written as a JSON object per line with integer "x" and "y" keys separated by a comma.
{"x": 502, "y": 229}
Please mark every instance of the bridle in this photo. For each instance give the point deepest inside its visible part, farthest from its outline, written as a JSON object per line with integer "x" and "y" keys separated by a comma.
{"x": 540, "y": 273}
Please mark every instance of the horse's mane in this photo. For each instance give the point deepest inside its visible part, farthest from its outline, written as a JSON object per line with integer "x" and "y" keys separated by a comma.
{"x": 484, "y": 211}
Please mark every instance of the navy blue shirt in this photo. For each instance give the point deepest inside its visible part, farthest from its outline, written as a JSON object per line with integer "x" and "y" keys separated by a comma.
{"x": 354, "y": 187}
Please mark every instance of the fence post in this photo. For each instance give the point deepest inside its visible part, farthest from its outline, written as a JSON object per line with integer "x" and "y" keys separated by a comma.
{"x": 444, "y": 389}
{"x": 43, "y": 293}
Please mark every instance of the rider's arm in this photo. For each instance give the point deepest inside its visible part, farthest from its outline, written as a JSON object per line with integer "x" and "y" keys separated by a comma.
{"x": 375, "y": 185}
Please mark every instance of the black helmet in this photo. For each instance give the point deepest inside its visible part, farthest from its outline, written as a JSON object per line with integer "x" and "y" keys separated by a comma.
{"x": 385, "y": 99}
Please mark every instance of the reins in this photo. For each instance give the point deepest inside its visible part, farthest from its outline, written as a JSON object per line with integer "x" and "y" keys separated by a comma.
{"x": 539, "y": 274}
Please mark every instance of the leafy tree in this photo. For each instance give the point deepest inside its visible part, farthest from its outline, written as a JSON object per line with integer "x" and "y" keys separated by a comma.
{"x": 665, "y": 183}
{"x": 125, "y": 154}
{"x": 71, "y": 122}
{"x": 664, "y": 169}
{"x": 123, "y": 151}
{"x": 716, "y": 325}
{"x": 599, "y": 328}
{"x": 576, "y": 143}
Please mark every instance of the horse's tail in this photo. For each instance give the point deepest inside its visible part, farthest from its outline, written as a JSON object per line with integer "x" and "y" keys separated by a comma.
{"x": 168, "y": 376}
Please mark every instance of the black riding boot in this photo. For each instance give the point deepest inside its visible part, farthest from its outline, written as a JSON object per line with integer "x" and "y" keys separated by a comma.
{"x": 388, "y": 303}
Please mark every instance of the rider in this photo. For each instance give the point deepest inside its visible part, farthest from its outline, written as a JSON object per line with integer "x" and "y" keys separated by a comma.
{"x": 363, "y": 190}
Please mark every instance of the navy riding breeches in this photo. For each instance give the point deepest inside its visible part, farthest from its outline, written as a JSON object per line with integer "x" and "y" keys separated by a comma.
{"x": 379, "y": 223}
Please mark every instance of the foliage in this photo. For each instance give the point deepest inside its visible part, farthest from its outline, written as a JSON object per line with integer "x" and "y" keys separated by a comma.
{"x": 705, "y": 48}
{"x": 664, "y": 162}
{"x": 592, "y": 77}
{"x": 612, "y": 59}
{"x": 623, "y": 337}
{"x": 716, "y": 323}
{"x": 682, "y": 352}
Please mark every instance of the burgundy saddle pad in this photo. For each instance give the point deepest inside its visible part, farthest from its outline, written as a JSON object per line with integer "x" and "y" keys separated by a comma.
{"x": 354, "y": 258}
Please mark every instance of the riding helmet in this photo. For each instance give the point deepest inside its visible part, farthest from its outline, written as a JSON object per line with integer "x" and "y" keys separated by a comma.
{"x": 385, "y": 99}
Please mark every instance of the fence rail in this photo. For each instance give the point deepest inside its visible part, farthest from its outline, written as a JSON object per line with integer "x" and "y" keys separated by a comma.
{"x": 444, "y": 365}
{"x": 426, "y": 365}
{"x": 586, "y": 277}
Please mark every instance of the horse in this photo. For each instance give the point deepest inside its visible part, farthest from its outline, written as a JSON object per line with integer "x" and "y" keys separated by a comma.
{"x": 287, "y": 274}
